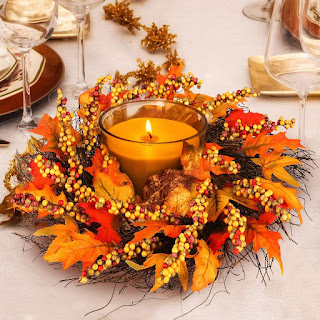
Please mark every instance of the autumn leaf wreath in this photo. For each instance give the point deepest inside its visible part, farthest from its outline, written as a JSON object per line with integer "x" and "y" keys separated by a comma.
{"x": 227, "y": 202}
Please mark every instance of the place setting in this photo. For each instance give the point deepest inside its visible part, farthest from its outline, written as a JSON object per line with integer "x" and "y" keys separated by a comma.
{"x": 152, "y": 183}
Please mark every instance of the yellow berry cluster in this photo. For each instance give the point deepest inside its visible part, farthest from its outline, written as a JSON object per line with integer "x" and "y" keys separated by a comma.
{"x": 106, "y": 157}
{"x": 286, "y": 123}
{"x": 188, "y": 238}
{"x": 236, "y": 226}
{"x": 120, "y": 93}
{"x": 212, "y": 154}
{"x": 67, "y": 139}
{"x": 49, "y": 169}
{"x": 251, "y": 189}
{"x": 89, "y": 127}
{"x": 128, "y": 252}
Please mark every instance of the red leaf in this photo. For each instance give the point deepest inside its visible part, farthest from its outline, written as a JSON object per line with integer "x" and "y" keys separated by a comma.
{"x": 108, "y": 222}
{"x": 217, "y": 240}
{"x": 249, "y": 118}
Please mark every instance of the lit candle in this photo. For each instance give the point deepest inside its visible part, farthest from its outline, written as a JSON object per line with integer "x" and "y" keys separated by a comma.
{"x": 146, "y": 146}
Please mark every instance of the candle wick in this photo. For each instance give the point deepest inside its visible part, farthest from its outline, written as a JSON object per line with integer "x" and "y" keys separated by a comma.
{"x": 149, "y": 135}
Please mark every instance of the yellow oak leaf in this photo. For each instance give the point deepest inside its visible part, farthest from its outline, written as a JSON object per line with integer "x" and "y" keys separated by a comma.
{"x": 111, "y": 184}
{"x": 154, "y": 259}
{"x": 207, "y": 265}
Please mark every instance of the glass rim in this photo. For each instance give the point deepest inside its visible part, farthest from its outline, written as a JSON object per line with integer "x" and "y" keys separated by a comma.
{"x": 203, "y": 130}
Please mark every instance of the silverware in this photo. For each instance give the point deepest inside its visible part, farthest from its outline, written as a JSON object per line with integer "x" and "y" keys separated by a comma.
{"x": 3, "y": 142}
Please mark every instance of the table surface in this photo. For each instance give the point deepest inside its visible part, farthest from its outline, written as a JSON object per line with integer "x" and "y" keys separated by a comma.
{"x": 215, "y": 39}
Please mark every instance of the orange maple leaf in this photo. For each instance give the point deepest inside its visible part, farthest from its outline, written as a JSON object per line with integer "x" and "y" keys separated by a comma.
{"x": 261, "y": 237}
{"x": 273, "y": 164}
{"x": 46, "y": 191}
{"x": 173, "y": 70}
{"x": 153, "y": 227}
{"x": 288, "y": 194}
{"x": 70, "y": 246}
{"x": 263, "y": 142}
{"x": 97, "y": 161}
{"x": 111, "y": 184}
{"x": 49, "y": 128}
{"x": 109, "y": 223}
{"x": 207, "y": 265}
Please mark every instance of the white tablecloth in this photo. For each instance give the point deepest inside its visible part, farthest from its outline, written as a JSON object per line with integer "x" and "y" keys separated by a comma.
{"x": 216, "y": 40}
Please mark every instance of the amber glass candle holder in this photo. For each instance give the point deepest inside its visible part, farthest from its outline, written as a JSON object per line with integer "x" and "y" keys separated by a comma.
{"x": 143, "y": 152}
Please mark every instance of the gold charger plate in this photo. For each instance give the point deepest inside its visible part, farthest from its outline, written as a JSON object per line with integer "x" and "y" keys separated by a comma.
{"x": 262, "y": 82}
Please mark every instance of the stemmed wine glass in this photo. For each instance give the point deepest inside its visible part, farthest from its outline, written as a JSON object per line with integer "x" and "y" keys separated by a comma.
{"x": 286, "y": 62}
{"x": 24, "y": 25}
{"x": 258, "y": 10}
{"x": 309, "y": 26}
{"x": 80, "y": 9}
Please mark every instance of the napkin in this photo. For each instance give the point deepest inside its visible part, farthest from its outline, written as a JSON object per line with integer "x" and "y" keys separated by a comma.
{"x": 5, "y": 58}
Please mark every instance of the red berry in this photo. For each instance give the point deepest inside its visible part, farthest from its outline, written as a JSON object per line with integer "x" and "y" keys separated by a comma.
{"x": 114, "y": 263}
{"x": 120, "y": 251}
{"x": 164, "y": 266}
{"x": 104, "y": 258}
{"x": 201, "y": 220}
{"x": 236, "y": 251}
{"x": 60, "y": 202}
{"x": 84, "y": 273}
{"x": 100, "y": 268}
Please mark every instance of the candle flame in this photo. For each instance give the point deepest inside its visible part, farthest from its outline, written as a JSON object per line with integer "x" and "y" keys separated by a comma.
{"x": 148, "y": 127}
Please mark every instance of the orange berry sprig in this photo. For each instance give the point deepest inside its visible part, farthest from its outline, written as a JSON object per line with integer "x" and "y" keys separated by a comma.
{"x": 241, "y": 130}
{"x": 251, "y": 189}
{"x": 33, "y": 202}
{"x": 217, "y": 160}
{"x": 128, "y": 252}
{"x": 208, "y": 107}
{"x": 236, "y": 226}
